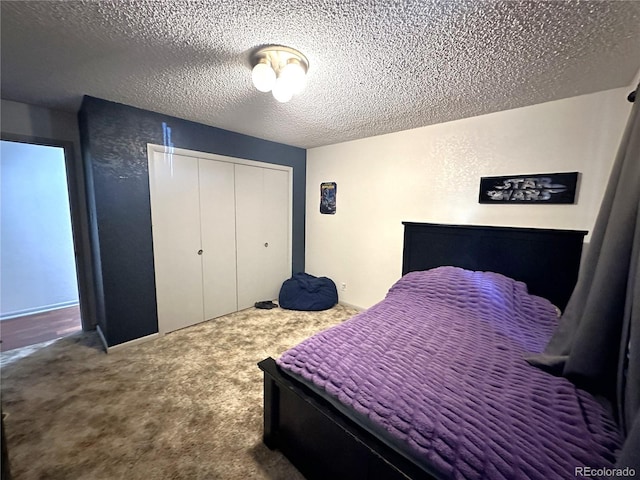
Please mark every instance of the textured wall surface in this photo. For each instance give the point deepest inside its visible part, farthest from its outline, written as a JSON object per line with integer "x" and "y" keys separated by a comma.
{"x": 376, "y": 66}
{"x": 115, "y": 141}
{"x": 432, "y": 174}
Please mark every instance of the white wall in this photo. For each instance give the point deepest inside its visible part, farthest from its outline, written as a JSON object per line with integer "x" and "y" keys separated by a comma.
{"x": 21, "y": 121}
{"x": 30, "y": 120}
{"x": 37, "y": 266}
{"x": 432, "y": 174}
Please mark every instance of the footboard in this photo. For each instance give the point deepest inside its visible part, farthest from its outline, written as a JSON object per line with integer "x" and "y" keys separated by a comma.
{"x": 320, "y": 441}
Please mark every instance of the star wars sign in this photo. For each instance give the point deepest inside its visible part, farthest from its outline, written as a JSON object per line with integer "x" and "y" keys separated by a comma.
{"x": 541, "y": 188}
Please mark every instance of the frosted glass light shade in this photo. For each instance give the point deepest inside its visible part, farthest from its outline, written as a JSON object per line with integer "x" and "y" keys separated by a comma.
{"x": 294, "y": 75}
{"x": 282, "y": 90}
{"x": 279, "y": 69}
{"x": 263, "y": 76}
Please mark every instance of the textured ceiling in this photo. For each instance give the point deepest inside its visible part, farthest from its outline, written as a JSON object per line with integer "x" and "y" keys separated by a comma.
{"x": 375, "y": 66}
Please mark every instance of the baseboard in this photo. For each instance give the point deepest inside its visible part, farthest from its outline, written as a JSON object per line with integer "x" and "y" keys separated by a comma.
{"x": 36, "y": 310}
{"x": 130, "y": 343}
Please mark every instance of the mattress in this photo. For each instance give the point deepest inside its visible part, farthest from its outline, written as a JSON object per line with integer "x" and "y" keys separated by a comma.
{"x": 437, "y": 371}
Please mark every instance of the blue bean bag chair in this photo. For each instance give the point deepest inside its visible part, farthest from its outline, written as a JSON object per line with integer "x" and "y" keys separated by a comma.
{"x": 308, "y": 293}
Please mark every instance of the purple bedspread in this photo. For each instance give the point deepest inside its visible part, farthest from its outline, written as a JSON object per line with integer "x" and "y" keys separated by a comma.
{"x": 439, "y": 366}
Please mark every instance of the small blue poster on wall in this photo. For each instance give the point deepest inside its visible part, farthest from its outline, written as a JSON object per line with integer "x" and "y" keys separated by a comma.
{"x": 328, "y": 197}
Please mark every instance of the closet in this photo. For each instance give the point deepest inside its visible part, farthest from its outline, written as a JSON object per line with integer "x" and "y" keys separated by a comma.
{"x": 221, "y": 234}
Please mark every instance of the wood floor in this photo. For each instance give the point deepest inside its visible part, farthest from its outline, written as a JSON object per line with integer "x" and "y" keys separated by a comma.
{"x": 40, "y": 327}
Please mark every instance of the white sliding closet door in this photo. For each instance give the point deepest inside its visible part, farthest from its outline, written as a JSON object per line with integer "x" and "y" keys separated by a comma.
{"x": 276, "y": 229}
{"x": 175, "y": 218}
{"x": 262, "y": 225}
{"x": 218, "y": 226}
{"x": 221, "y": 235}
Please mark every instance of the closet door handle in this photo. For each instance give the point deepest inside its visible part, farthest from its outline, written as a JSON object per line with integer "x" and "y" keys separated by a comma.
{"x": 266, "y": 244}
{"x": 199, "y": 252}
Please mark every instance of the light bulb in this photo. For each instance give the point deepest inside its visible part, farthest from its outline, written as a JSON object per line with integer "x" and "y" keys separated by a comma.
{"x": 263, "y": 76}
{"x": 282, "y": 90}
{"x": 294, "y": 75}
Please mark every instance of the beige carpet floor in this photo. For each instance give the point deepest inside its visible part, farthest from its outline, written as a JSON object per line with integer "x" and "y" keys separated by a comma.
{"x": 185, "y": 406}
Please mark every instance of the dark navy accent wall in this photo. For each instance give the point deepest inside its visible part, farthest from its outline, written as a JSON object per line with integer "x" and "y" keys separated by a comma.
{"x": 114, "y": 143}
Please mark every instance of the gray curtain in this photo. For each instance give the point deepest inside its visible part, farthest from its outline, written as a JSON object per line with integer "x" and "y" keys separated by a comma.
{"x": 597, "y": 344}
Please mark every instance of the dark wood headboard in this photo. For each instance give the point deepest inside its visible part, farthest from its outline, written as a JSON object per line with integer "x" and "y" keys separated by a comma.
{"x": 546, "y": 260}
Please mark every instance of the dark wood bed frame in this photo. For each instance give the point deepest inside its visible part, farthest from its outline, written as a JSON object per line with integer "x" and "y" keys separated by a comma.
{"x": 320, "y": 441}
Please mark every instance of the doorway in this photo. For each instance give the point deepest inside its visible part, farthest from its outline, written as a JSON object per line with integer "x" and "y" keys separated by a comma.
{"x": 38, "y": 284}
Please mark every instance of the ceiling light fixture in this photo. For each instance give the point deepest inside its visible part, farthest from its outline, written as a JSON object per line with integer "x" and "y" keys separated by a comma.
{"x": 279, "y": 70}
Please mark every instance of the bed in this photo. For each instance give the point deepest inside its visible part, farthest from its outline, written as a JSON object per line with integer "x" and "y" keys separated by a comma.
{"x": 431, "y": 382}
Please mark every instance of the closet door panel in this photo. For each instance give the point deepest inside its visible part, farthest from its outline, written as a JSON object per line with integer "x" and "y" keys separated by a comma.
{"x": 175, "y": 217}
{"x": 250, "y": 243}
{"x": 262, "y": 226}
{"x": 277, "y": 263}
{"x": 218, "y": 226}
